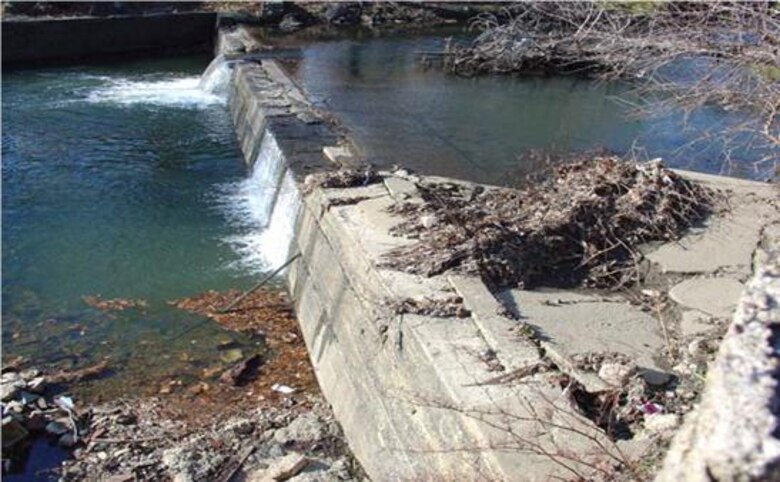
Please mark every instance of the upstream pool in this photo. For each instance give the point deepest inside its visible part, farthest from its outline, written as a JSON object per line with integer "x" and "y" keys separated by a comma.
{"x": 120, "y": 181}
{"x": 483, "y": 129}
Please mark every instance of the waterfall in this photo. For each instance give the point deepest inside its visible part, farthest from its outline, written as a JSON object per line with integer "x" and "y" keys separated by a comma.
{"x": 173, "y": 91}
{"x": 216, "y": 78}
{"x": 264, "y": 206}
{"x": 275, "y": 240}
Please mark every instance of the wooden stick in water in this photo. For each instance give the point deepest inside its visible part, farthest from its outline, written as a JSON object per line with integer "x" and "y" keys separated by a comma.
{"x": 259, "y": 285}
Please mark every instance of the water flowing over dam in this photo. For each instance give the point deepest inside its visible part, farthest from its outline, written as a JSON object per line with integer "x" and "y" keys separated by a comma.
{"x": 178, "y": 213}
{"x": 266, "y": 205}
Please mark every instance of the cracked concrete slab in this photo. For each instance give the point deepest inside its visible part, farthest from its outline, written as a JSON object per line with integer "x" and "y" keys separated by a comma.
{"x": 714, "y": 296}
{"x": 513, "y": 349}
{"x": 724, "y": 242}
{"x": 570, "y": 324}
{"x": 694, "y": 322}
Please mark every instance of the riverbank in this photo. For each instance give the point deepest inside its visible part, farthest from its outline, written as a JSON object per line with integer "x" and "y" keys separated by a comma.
{"x": 260, "y": 413}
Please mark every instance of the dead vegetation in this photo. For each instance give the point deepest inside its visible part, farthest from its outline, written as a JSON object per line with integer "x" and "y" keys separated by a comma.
{"x": 581, "y": 226}
{"x": 341, "y": 178}
{"x": 678, "y": 55}
{"x": 113, "y": 304}
{"x": 265, "y": 315}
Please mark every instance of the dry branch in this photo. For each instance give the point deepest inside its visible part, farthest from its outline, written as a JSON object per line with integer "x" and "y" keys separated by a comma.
{"x": 581, "y": 225}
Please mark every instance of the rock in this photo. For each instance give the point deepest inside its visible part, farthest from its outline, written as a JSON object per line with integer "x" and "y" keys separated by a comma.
{"x": 29, "y": 374}
{"x": 290, "y": 23}
{"x": 231, "y": 356}
{"x": 14, "y": 406}
{"x": 656, "y": 378}
{"x": 67, "y": 440}
{"x": 37, "y": 385}
{"x": 241, "y": 372}
{"x": 13, "y": 432}
{"x": 8, "y": 391}
{"x": 714, "y": 296}
{"x": 28, "y": 398}
{"x": 36, "y": 422}
{"x": 287, "y": 467}
{"x": 10, "y": 377}
{"x": 305, "y": 429}
{"x": 616, "y": 374}
{"x": 697, "y": 348}
{"x": 662, "y": 423}
{"x": 241, "y": 427}
{"x": 343, "y": 13}
{"x": 190, "y": 462}
{"x": 126, "y": 419}
{"x": 56, "y": 428}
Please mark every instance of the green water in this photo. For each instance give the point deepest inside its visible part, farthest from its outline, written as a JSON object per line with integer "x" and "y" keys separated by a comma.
{"x": 121, "y": 181}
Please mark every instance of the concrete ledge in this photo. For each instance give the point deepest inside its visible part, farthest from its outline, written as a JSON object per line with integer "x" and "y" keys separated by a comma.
{"x": 264, "y": 101}
{"x": 78, "y": 39}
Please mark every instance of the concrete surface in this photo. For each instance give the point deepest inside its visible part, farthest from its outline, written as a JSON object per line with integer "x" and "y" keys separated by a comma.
{"x": 571, "y": 324}
{"x": 427, "y": 398}
{"x": 723, "y": 243}
{"x": 717, "y": 297}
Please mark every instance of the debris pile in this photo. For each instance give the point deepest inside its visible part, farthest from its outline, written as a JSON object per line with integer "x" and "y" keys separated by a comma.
{"x": 443, "y": 307}
{"x": 581, "y": 226}
{"x": 114, "y": 304}
{"x": 341, "y": 178}
{"x": 140, "y": 440}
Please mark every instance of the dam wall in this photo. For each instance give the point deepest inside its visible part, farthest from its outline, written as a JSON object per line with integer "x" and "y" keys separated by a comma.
{"x": 409, "y": 389}
{"x": 475, "y": 393}
{"x": 69, "y": 40}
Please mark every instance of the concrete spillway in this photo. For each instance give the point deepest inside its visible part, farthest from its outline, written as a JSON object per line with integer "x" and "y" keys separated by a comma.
{"x": 414, "y": 393}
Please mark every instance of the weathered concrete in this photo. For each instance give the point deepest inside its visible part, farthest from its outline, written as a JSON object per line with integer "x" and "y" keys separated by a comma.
{"x": 571, "y": 325}
{"x": 723, "y": 243}
{"x": 76, "y": 39}
{"x": 424, "y": 398}
{"x": 733, "y": 434}
{"x": 716, "y": 297}
{"x": 421, "y": 383}
{"x": 264, "y": 101}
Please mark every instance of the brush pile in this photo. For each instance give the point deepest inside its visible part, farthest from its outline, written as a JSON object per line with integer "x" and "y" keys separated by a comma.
{"x": 580, "y": 226}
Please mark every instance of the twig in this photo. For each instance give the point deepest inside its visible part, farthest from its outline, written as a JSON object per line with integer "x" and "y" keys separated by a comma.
{"x": 260, "y": 284}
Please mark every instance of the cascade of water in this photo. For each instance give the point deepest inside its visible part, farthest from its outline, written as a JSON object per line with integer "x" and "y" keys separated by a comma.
{"x": 216, "y": 78}
{"x": 265, "y": 204}
{"x": 274, "y": 241}
{"x": 263, "y": 184}
{"x": 210, "y": 88}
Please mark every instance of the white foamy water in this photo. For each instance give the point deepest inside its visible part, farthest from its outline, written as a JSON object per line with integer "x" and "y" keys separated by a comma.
{"x": 264, "y": 207}
{"x": 216, "y": 78}
{"x": 208, "y": 89}
{"x": 181, "y": 92}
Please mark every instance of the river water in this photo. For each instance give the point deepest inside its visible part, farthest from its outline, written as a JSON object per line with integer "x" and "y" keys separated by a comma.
{"x": 120, "y": 181}
{"x": 126, "y": 181}
{"x": 402, "y": 113}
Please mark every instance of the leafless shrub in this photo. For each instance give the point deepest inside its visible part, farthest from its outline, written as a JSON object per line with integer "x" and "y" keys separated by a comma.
{"x": 678, "y": 55}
